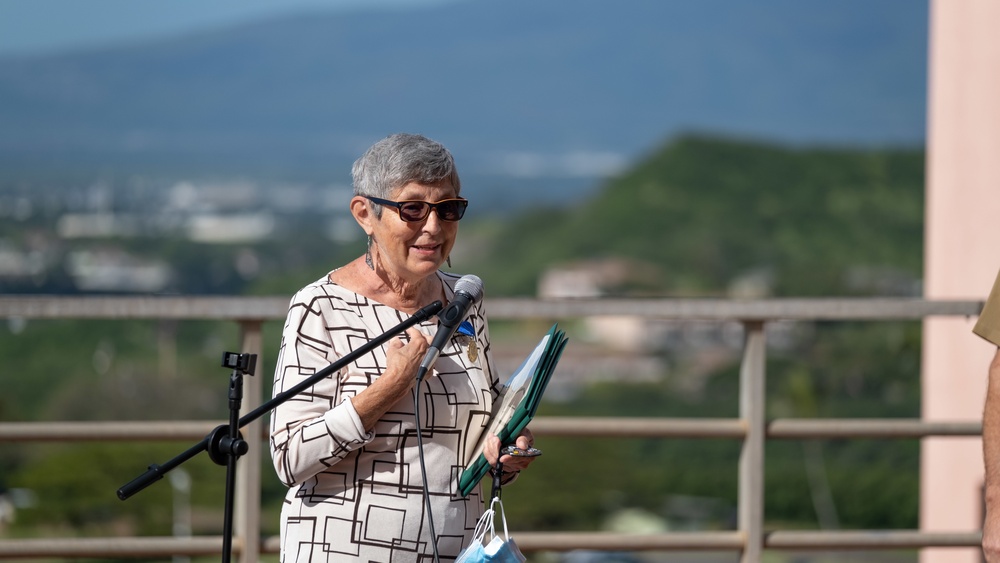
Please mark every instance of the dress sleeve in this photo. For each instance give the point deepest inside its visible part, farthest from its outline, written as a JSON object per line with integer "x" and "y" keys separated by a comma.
{"x": 319, "y": 426}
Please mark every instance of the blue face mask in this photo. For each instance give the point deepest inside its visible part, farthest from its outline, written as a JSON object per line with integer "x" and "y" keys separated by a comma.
{"x": 499, "y": 549}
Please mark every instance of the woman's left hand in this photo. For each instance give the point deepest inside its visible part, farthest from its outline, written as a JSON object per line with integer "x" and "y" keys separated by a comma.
{"x": 511, "y": 463}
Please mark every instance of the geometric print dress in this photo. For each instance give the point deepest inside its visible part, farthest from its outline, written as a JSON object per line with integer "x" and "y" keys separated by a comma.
{"x": 356, "y": 495}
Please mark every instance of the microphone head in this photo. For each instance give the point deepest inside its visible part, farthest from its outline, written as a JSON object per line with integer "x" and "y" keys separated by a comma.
{"x": 470, "y": 285}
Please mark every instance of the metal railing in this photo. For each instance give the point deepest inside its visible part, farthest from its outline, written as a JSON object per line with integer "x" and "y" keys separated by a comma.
{"x": 751, "y": 428}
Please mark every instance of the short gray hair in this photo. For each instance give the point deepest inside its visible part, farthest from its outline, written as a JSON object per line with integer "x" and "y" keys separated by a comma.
{"x": 398, "y": 160}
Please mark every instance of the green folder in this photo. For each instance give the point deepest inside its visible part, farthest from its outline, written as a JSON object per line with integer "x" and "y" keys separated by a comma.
{"x": 517, "y": 402}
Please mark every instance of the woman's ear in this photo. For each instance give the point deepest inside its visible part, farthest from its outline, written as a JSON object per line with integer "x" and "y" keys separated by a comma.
{"x": 363, "y": 214}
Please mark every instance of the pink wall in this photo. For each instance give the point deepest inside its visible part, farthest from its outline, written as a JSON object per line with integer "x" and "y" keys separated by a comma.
{"x": 962, "y": 254}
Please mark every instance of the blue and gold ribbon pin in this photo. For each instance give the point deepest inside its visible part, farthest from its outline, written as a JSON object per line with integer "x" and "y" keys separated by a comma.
{"x": 466, "y": 329}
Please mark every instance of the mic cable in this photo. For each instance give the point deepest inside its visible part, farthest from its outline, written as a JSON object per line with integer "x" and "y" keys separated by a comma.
{"x": 468, "y": 291}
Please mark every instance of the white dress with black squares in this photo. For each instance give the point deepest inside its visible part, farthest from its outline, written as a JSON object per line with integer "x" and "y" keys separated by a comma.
{"x": 356, "y": 495}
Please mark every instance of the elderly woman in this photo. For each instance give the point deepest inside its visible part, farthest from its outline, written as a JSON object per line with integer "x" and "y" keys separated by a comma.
{"x": 347, "y": 447}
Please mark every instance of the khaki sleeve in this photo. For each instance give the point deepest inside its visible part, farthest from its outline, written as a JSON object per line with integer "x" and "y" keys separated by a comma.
{"x": 988, "y": 325}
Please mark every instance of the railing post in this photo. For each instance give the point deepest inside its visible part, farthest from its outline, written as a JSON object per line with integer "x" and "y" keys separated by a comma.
{"x": 246, "y": 521}
{"x": 751, "y": 470}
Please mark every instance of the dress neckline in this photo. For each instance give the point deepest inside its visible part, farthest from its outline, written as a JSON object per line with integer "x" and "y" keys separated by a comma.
{"x": 448, "y": 292}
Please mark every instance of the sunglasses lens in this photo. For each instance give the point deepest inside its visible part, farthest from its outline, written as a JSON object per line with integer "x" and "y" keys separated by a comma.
{"x": 413, "y": 210}
{"x": 451, "y": 210}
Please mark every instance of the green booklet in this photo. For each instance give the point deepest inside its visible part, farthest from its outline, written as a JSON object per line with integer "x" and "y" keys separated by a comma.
{"x": 516, "y": 404}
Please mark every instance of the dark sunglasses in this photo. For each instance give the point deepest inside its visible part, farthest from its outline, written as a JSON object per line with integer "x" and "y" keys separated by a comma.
{"x": 415, "y": 210}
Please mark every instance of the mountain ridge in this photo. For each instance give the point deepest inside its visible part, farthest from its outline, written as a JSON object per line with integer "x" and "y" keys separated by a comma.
{"x": 494, "y": 82}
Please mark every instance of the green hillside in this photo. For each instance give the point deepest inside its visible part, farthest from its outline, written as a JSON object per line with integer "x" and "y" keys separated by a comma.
{"x": 702, "y": 212}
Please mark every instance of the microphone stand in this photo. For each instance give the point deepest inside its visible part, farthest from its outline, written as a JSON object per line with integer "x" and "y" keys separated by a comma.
{"x": 225, "y": 444}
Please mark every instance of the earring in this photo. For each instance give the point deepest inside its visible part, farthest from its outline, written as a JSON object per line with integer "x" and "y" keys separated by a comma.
{"x": 448, "y": 260}
{"x": 368, "y": 254}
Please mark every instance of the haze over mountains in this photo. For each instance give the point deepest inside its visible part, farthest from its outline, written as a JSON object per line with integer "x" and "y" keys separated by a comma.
{"x": 555, "y": 89}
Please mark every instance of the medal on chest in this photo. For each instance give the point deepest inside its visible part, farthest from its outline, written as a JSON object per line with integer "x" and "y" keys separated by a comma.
{"x": 472, "y": 349}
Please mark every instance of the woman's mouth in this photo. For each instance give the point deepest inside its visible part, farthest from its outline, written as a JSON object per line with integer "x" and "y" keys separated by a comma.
{"x": 426, "y": 248}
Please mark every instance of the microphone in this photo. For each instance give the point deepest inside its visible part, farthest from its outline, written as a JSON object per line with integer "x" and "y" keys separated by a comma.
{"x": 468, "y": 291}
{"x": 427, "y": 311}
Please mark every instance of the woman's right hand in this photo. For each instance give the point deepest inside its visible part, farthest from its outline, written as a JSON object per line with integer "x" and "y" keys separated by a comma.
{"x": 403, "y": 355}
{"x": 402, "y": 359}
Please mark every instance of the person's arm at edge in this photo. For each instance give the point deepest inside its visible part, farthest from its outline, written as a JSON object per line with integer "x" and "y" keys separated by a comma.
{"x": 991, "y": 460}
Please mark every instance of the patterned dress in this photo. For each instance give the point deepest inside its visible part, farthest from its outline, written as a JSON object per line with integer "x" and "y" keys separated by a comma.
{"x": 357, "y": 496}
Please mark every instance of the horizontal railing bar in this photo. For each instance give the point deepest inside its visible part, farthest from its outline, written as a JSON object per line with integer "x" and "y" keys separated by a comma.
{"x": 869, "y": 428}
{"x": 788, "y": 428}
{"x": 605, "y": 427}
{"x": 152, "y": 307}
{"x": 275, "y": 308}
{"x": 621, "y": 427}
{"x": 608, "y": 541}
{"x": 876, "y": 539}
{"x": 105, "y": 430}
{"x": 527, "y": 541}
{"x": 889, "y": 539}
{"x": 112, "y": 547}
{"x": 818, "y": 309}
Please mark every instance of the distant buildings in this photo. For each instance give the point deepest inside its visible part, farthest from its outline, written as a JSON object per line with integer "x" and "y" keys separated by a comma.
{"x": 83, "y": 231}
{"x": 642, "y": 335}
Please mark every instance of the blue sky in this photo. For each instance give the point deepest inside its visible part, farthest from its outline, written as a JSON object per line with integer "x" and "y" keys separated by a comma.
{"x": 41, "y": 26}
